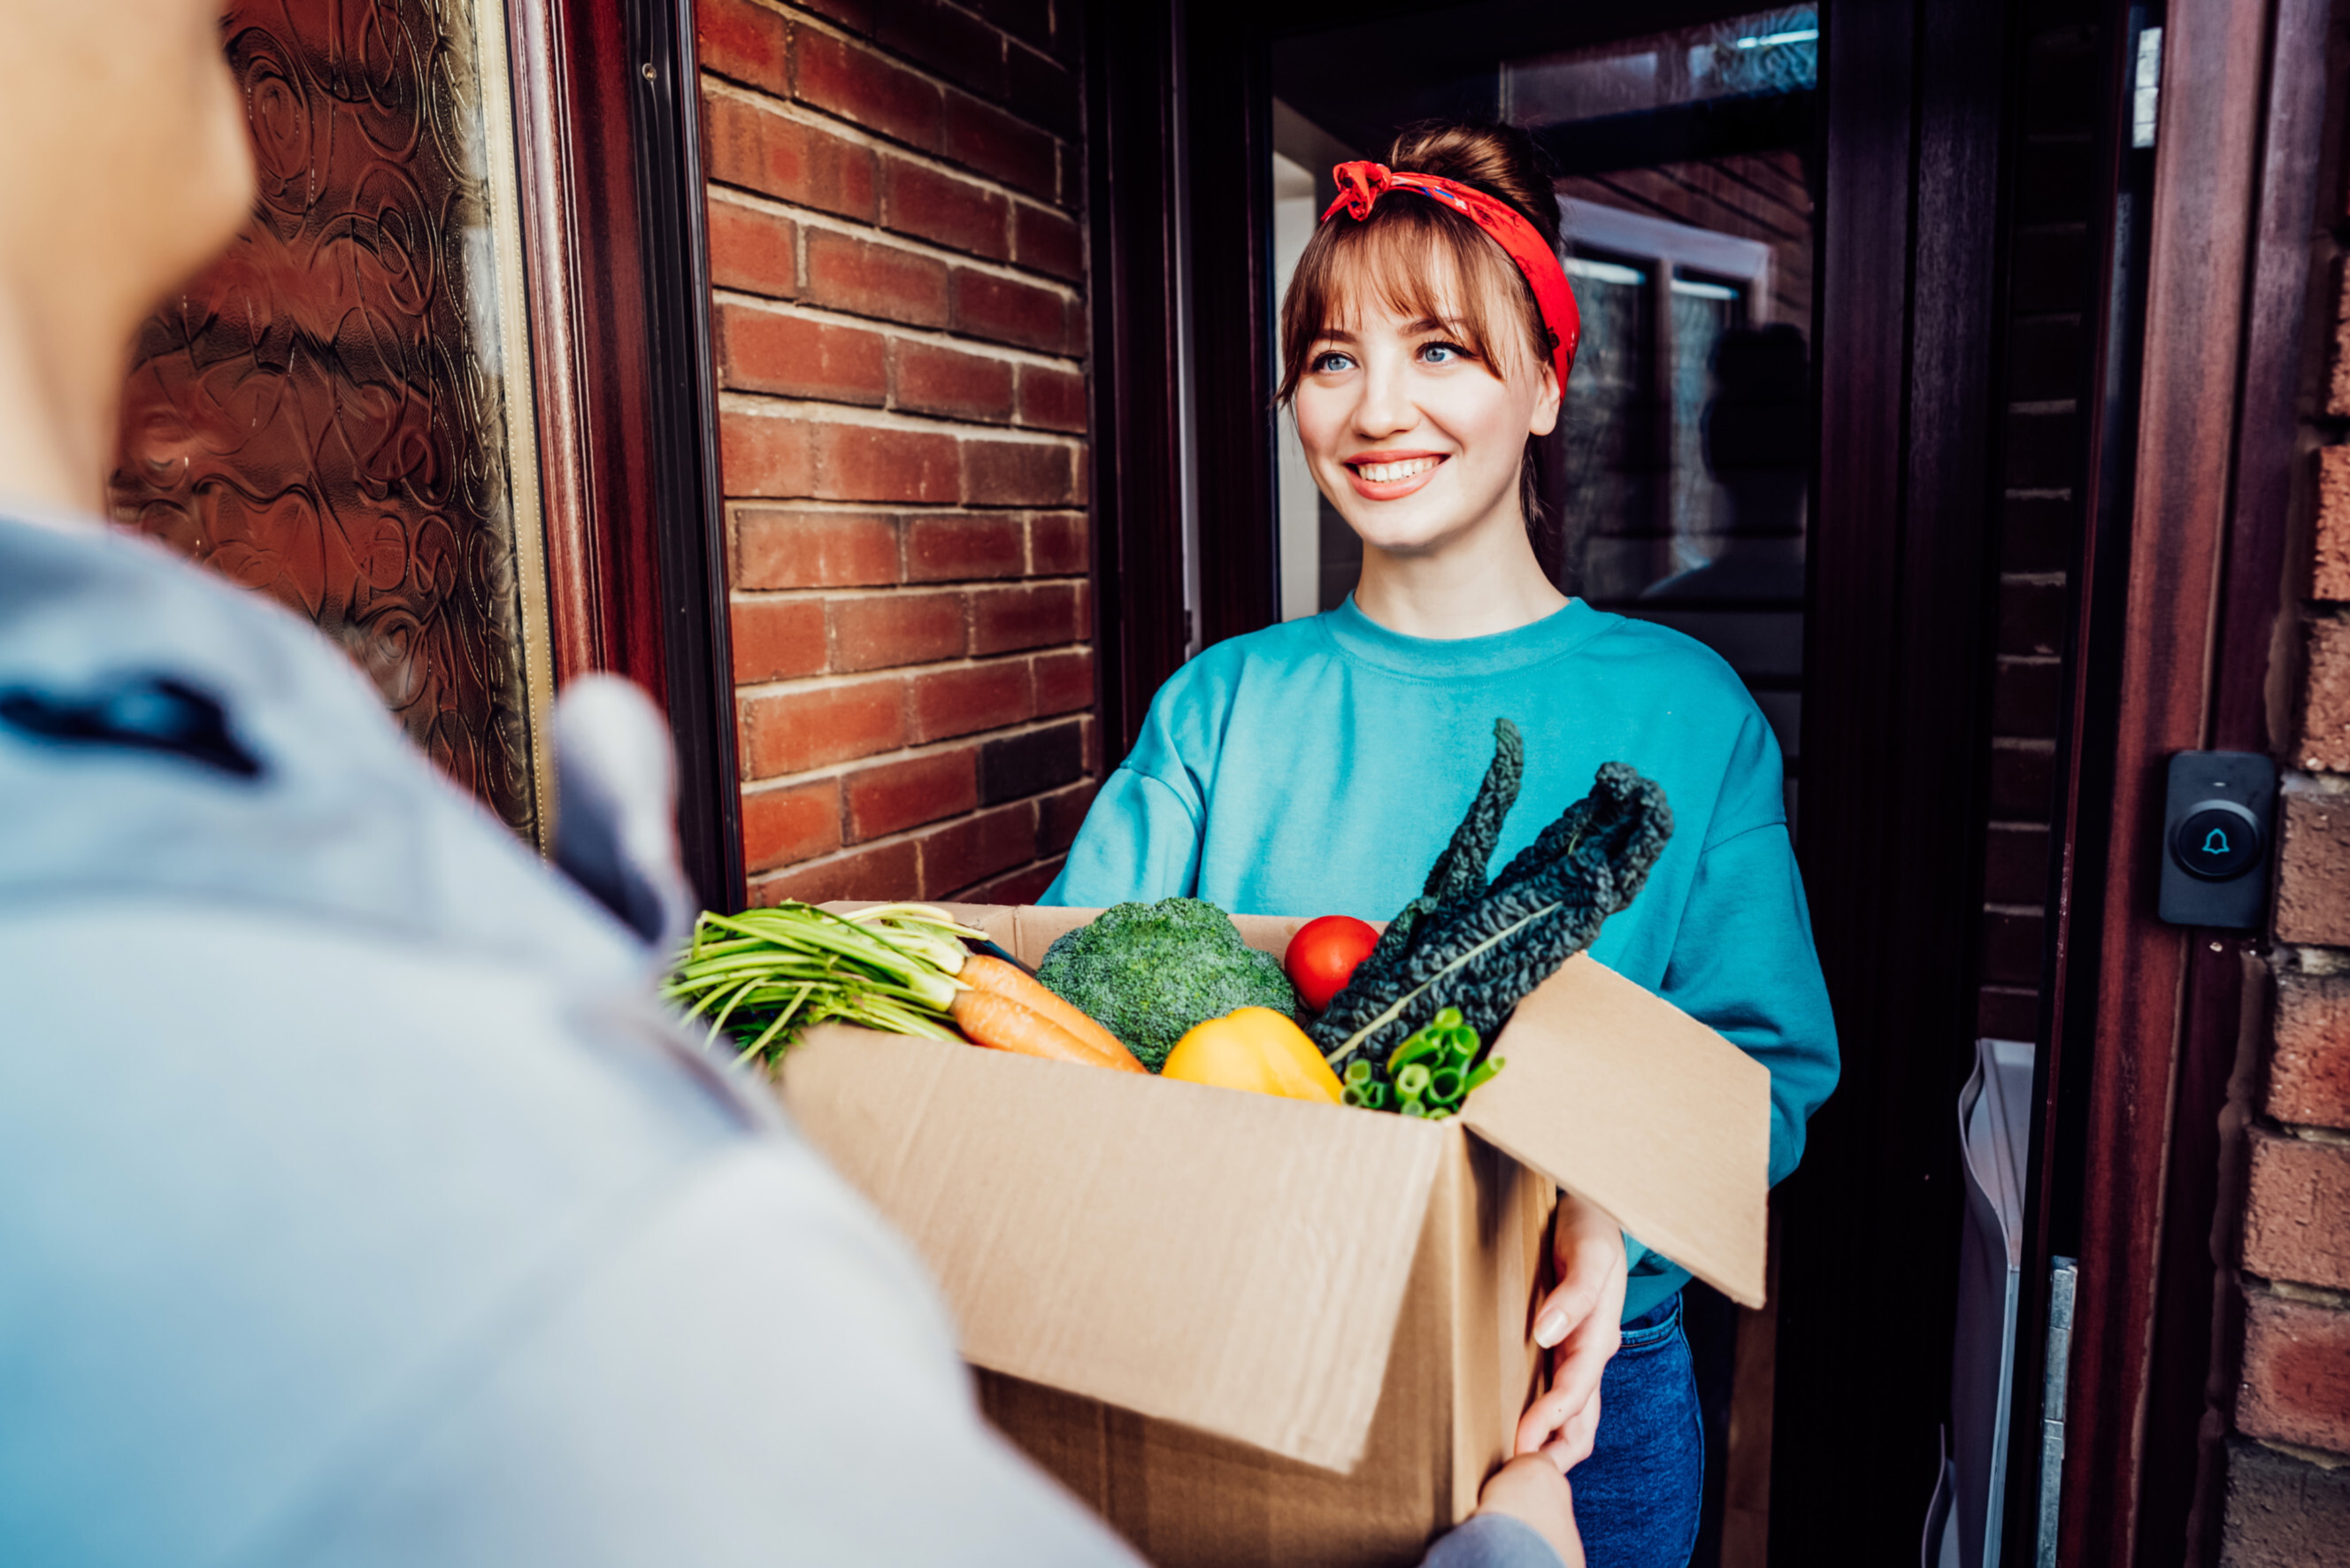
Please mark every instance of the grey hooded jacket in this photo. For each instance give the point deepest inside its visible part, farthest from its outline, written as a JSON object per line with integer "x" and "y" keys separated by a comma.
{"x": 356, "y": 1206}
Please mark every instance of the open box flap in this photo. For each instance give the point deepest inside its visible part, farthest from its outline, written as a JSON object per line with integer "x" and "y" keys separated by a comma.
{"x": 1625, "y": 1100}
{"x": 1231, "y": 1262}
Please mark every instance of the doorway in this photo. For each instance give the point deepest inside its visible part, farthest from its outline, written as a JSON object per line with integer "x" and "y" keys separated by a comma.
{"x": 1783, "y": 228}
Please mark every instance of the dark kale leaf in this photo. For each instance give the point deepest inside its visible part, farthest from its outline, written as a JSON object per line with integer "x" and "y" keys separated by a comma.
{"x": 1483, "y": 950}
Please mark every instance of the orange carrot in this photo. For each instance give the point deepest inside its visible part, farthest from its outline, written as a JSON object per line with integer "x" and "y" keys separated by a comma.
{"x": 1002, "y": 1025}
{"x": 1014, "y": 985}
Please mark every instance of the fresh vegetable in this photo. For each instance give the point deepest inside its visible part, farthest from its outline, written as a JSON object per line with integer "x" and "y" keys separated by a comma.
{"x": 765, "y": 975}
{"x": 1430, "y": 1075}
{"x": 1324, "y": 955}
{"x": 1000, "y": 1023}
{"x": 1013, "y": 985}
{"x": 1255, "y": 1049}
{"x": 1148, "y": 973}
{"x": 1480, "y": 948}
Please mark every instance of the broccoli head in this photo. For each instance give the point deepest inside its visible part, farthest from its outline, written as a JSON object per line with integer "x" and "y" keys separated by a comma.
{"x": 1148, "y": 973}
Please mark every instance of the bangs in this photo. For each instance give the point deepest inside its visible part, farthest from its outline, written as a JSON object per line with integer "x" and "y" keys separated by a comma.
{"x": 1421, "y": 262}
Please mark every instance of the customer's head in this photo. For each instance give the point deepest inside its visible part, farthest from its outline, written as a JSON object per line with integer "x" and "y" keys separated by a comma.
{"x": 124, "y": 166}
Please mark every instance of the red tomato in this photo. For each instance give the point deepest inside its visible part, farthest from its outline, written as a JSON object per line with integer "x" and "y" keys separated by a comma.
{"x": 1323, "y": 955}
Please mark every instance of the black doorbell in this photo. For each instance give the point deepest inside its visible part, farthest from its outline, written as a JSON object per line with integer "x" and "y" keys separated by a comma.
{"x": 2216, "y": 831}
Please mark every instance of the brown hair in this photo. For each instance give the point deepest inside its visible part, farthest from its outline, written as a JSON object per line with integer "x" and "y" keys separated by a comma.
{"x": 1422, "y": 259}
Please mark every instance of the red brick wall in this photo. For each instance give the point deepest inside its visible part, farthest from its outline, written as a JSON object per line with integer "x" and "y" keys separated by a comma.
{"x": 900, "y": 319}
{"x": 2287, "y": 1233}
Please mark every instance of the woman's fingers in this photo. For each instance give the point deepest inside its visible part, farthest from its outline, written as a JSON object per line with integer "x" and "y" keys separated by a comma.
{"x": 1580, "y": 1321}
{"x": 1575, "y": 1439}
{"x": 1577, "y": 1366}
{"x": 1588, "y": 1250}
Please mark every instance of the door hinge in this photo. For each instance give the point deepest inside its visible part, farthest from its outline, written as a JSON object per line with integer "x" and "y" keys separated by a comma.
{"x": 2146, "y": 98}
{"x": 2055, "y": 1366}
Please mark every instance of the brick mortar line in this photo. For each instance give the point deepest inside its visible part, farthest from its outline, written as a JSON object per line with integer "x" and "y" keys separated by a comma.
{"x": 2026, "y": 493}
{"x": 891, "y": 590}
{"x": 2030, "y": 661}
{"x": 2023, "y": 744}
{"x": 2044, "y": 406}
{"x": 932, "y": 337}
{"x": 2322, "y": 1137}
{"x": 917, "y": 754}
{"x": 2307, "y": 781}
{"x": 834, "y": 222}
{"x": 2293, "y": 1290}
{"x": 775, "y": 206}
{"x": 772, "y": 405}
{"x": 2036, "y": 911}
{"x": 822, "y": 24}
{"x": 2035, "y": 579}
{"x": 2322, "y": 1458}
{"x": 912, "y": 508}
{"x": 795, "y": 683}
{"x": 910, "y": 836}
{"x": 2007, "y": 987}
{"x": 785, "y": 870}
{"x": 864, "y": 136}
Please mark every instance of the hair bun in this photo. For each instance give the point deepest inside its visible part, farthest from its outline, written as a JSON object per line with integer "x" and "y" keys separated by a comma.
{"x": 1502, "y": 160}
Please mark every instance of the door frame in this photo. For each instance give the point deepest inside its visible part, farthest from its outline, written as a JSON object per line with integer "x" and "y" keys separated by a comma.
{"x": 2178, "y": 587}
{"x": 606, "y": 133}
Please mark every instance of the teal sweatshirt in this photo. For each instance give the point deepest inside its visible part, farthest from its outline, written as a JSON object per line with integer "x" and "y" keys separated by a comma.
{"x": 1318, "y": 767}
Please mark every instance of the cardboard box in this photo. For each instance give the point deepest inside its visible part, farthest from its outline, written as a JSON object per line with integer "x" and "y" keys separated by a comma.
{"x": 1252, "y": 1330}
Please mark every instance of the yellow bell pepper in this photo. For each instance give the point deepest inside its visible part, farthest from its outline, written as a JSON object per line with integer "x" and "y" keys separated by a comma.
{"x": 1255, "y": 1049}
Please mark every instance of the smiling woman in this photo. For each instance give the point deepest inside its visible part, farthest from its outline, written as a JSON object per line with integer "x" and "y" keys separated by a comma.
{"x": 1420, "y": 294}
{"x": 1427, "y": 335}
{"x": 1420, "y": 370}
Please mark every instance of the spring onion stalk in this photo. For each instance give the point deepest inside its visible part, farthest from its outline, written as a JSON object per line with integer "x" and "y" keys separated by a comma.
{"x": 764, "y": 976}
{"x": 1430, "y": 1075}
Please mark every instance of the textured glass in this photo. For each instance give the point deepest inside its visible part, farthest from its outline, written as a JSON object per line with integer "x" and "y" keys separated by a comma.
{"x": 322, "y": 416}
{"x": 1607, "y": 441}
{"x": 1702, "y": 312}
{"x": 1759, "y": 54}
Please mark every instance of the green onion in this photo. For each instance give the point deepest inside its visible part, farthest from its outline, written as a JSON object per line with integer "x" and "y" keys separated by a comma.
{"x": 1428, "y": 1075}
{"x": 764, "y": 976}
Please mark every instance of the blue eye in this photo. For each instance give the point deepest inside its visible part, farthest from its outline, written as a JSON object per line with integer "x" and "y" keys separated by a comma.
{"x": 1441, "y": 353}
{"x": 1331, "y": 360}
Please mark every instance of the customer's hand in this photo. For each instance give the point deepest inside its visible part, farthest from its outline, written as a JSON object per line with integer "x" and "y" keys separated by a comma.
{"x": 1581, "y": 1323}
{"x": 1530, "y": 1489}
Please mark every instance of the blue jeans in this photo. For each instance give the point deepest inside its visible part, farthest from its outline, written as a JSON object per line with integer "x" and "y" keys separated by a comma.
{"x": 1637, "y": 1498}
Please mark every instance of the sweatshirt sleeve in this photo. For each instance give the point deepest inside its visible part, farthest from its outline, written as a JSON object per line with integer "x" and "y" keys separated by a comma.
{"x": 1141, "y": 841}
{"x": 1744, "y": 964}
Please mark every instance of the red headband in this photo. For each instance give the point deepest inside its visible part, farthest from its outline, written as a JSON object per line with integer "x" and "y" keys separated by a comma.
{"x": 1360, "y": 185}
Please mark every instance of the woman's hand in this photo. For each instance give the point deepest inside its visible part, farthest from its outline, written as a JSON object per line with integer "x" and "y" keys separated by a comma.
{"x": 1581, "y": 1323}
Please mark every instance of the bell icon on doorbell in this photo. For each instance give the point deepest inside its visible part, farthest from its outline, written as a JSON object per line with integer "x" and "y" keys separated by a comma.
{"x": 2215, "y": 837}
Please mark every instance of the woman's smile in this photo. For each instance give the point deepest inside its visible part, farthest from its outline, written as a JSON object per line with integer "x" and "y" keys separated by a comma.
{"x": 1391, "y": 475}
